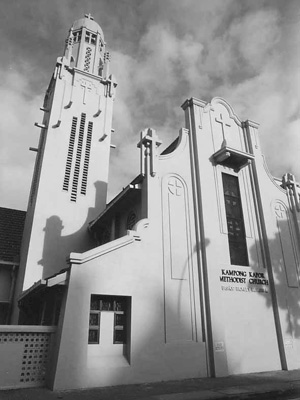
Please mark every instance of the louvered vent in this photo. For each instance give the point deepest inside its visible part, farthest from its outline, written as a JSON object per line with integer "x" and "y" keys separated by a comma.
{"x": 86, "y": 158}
{"x": 70, "y": 154}
{"x": 87, "y": 59}
{"x": 78, "y": 158}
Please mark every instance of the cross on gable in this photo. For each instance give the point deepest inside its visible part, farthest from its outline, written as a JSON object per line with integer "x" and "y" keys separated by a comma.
{"x": 150, "y": 138}
{"x": 86, "y": 86}
{"x": 223, "y": 124}
{"x": 150, "y": 141}
{"x": 89, "y": 16}
{"x": 289, "y": 180}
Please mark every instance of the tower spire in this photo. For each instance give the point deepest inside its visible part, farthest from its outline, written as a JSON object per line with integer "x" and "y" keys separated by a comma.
{"x": 85, "y": 47}
{"x": 69, "y": 184}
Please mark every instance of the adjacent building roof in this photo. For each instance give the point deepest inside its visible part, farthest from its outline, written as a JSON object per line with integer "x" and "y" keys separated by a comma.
{"x": 128, "y": 194}
{"x": 11, "y": 231}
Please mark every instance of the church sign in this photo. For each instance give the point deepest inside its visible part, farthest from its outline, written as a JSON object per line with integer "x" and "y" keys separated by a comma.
{"x": 244, "y": 281}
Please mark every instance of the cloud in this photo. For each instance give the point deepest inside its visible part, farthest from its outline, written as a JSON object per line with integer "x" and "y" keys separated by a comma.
{"x": 17, "y": 133}
{"x": 162, "y": 53}
{"x": 242, "y": 63}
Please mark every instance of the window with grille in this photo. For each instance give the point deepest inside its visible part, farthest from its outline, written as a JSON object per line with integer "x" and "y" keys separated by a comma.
{"x": 90, "y": 37}
{"x": 77, "y": 36}
{"x": 113, "y": 304}
{"x": 235, "y": 221}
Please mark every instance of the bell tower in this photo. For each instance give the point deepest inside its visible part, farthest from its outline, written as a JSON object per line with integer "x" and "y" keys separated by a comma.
{"x": 69, "y": 185}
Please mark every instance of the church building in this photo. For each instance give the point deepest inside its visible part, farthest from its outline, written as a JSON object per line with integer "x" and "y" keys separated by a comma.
{"x": 191, "y": 271}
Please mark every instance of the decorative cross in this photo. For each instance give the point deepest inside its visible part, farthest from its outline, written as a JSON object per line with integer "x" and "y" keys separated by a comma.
{"x": 86, "y": 86}
{"x": 89, "y": 16}
{"x": 279, "y": 210}
{"x": 175, "y": 186}
{"x": 289, "y": 183}
{"x": 150, "y": 141}
{"x": 223, "y": 124}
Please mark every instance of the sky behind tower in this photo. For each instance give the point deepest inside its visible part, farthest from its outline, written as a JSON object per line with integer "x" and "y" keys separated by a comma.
{"x": 163, "y": 51}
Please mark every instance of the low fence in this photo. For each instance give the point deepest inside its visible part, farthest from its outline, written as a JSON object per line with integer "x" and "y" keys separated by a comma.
{"x": 24, "y": 355}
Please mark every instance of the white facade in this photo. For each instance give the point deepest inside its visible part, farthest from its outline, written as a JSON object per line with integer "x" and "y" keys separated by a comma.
{"x": 191, "y": 271}
{"x": 69, "y": 185}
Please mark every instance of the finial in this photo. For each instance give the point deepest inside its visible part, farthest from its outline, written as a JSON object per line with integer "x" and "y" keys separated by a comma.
{"x": 89, "y": 16}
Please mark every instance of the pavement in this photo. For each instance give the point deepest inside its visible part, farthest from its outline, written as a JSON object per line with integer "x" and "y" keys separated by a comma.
{"x": 278, "y": 385}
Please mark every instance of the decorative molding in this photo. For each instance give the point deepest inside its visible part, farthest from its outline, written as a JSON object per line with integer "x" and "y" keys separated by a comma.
{"x": 39, "y": 125}
{"x": 193, "y": 101}
{"x": 270, "y": 176}
{"x": 177, "y": 260}
{"x": 69, "y": 104}
{"x": 81, "y": 258}
{"x": 44, "y": 109}
{"x": 232, "y": 115}
{"x": 57, "y": 125}
{"x": 181, "y": 145}
{"x": 289, "y": 183}
{"x": 175, "y": 186}
{"x": 232, "y": 158}
{"x": 28, "y": 328}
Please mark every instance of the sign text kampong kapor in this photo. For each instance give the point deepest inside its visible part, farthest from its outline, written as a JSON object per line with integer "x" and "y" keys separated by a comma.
{"x": 256, "y": 281}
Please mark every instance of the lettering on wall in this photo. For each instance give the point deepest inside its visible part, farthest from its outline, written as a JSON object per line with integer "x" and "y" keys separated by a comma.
{"x": 219, "y": 347}
{"x": 244, "y": 281}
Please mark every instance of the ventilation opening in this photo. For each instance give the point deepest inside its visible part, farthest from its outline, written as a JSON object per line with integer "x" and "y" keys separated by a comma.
{"x": 87, "y": 59}
{"x": 86, "y": 158}
{"x": 70, "y": 154}
{"x": 78, "y": 158}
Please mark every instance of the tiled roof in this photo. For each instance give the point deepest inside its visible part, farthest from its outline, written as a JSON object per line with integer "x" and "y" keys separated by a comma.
{"x": 11, "y": 231}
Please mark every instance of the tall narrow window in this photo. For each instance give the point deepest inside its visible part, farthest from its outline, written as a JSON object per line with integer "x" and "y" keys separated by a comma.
{"x": 235, "y": 221}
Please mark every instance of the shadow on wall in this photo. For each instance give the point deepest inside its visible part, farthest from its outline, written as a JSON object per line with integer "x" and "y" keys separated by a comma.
{"x": 151, "y": 356}
{"x": 57, "y": 247}
{"x": 155, "y": 354}
{"x": 285, "y": 267}
{"x": 186, "y": 272}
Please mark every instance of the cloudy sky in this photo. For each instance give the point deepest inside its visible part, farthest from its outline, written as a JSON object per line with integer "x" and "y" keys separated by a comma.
{"x": 163, "y": 51}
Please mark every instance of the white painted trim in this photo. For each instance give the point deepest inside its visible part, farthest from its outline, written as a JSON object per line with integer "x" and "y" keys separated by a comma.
{"x": 27, "y": 328}
{"x": 181, "y": 145}
{"x": 81, "y": 258}
{"x": 59, "y": 279}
